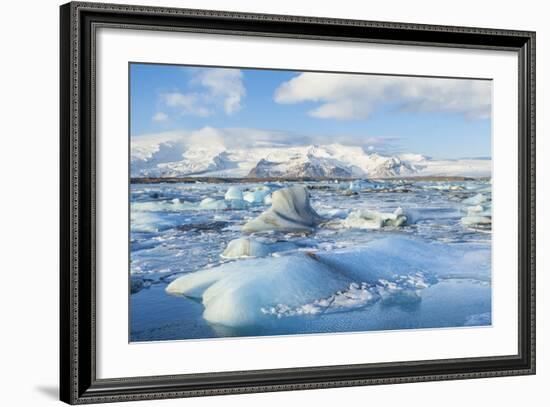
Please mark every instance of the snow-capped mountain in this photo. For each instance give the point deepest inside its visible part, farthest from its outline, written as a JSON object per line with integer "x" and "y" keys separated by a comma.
{"x": 334, "y": 161}
{"x": 172, "y": 158}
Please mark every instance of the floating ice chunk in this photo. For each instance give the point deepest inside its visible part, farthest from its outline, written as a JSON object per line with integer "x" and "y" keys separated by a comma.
{"x": 475, "y": 220}
{"x": 149, "y": 222}
{"x": 247, "y": 247}
{"x": 213, "y": 204}
{"x": 355, "y": 186}
{"x": 236, "y": 204}
{"x": 151, "y": 206}
{"x": 477, "y": 217}
{"x": 290, "y": 212}
{"x": 359, "y": 185}
{"x": 475, "y": 200}
{"x": 268, "y": 200}
{"x": 403, "y": 259}
{"x": 479, "y": 210}
{"x": 194, "y": 284}
{"x": 174, "y": 205}
{"x": 393, "y": 270}
{"x": 234, "y": 193}
{"x": 365, "y": 219}
{"x": 234, "y": 294}
{"x": 257, "y": 195}
{"x": 177, "y": 205}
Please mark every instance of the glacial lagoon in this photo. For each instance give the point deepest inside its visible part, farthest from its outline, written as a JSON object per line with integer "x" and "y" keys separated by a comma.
{"x": 210, "y": 260}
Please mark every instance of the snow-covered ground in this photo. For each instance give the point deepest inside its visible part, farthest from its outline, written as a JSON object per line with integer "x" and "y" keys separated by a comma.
{"x": 171, "y": 157}
{"x": 211, "y": 260}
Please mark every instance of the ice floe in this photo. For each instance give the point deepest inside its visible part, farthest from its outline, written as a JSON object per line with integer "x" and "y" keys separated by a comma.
{"x": 234, "y": 193}
{"x": 148, "y": 222}
{"x": 290, "y": 212}
{"x": 393, "y": 270}
{"x": 233, "y": 294}
{"x": 477, "y": 216}
{"x": 213, "y": 204}
{"x": 257, "y": 195}
{"x": 365, "y": 219}
{"x": 475, "y": 200}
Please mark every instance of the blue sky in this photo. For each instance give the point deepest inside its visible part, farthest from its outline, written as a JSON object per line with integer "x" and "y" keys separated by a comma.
{"x": 444, "y": 118}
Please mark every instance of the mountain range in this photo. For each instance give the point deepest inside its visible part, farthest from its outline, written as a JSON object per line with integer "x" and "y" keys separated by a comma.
{"x": 172, "y": 158}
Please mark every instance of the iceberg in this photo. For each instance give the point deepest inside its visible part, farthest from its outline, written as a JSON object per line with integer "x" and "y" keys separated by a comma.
{"x": 393, "y": 270}
{"x": 151, "y": 222}
{"x": 355, "y": 186}
{"x": 478, "y": 217}
{"x": 213, "y": 204}
{"x": 365, "y": 219}
{"x": 174, "y": 205}
{"x": 476, "y": 221}
{"x": 359, "y": 185}
{"x": 247, "y": 247}
{"x": 177, "y": 205}
{"x": 233, "y": 294}
{"x": 475, "y": 200}
{"x": 290, "y": 212}
{"x": 234, "y": 193}
{"x": 257, "y": 195}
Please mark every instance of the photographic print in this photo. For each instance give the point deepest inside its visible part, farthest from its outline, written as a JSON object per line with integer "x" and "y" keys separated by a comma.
{"x": 281, "y": 202}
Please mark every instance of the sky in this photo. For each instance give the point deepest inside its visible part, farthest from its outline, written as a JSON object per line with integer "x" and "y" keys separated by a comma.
{"x": 436, "y": 117}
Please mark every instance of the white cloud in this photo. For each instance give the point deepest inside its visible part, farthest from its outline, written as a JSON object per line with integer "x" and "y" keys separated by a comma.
{"x": 160, "y": 117}
{"x": 346, "y": 96}
{"x": 186, "y": 103}
{"x": 230, "y": 138}
{"x": 225, "y": 84}
{"x": 218, "y": 89}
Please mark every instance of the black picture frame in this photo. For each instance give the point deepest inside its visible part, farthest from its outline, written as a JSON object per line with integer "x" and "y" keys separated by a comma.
{"x": 78, "y": 381}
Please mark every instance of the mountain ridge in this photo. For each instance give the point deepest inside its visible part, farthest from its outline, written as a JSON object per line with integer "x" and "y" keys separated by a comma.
{"x": 173, "y": 159}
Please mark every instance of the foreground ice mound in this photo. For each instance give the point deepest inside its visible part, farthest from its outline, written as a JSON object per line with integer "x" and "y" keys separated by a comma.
{"x": 233, "y": 294}
{"x": 247, "y": 247}
{"x": 365, "y": 219}
{"x": 290, "y": 212}
{"x": 392, "y": 270}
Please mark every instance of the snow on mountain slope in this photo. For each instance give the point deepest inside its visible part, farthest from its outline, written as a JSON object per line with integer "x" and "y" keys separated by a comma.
{"x": 169, "y": 156}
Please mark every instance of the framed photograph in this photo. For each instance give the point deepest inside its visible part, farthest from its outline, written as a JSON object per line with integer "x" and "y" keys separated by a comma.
{"x": 255, "y": 203}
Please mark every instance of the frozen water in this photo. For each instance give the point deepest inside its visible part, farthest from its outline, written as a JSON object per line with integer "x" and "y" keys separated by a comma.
{"x": 233, "y": 294}
{"x": 392, "y": 269}
{"x": 443, "y": 276}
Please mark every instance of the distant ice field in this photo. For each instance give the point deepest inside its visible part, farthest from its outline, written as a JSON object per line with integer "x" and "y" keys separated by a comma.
{"x": 234, "y": 259}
